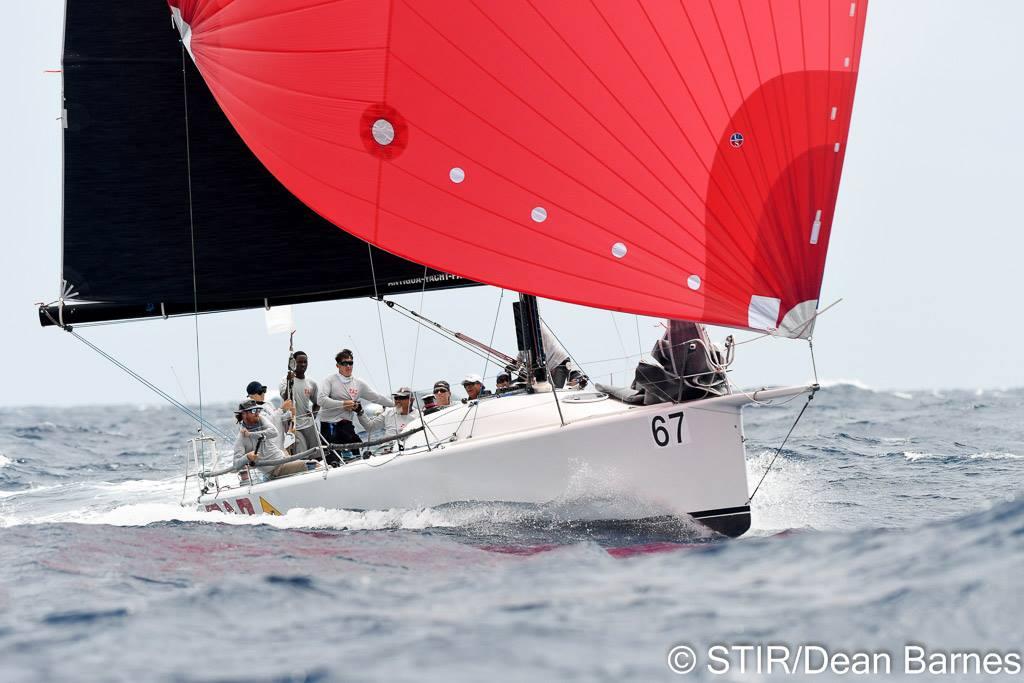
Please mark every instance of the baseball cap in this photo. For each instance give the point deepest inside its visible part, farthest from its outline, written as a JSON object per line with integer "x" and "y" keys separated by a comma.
{"x": 473, "y": 379}
{"x": 441, "y": 384}
{"x": 255, "y": 388}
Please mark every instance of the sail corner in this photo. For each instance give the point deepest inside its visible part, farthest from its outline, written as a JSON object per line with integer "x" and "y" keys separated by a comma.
{"x": 798, "y": 323}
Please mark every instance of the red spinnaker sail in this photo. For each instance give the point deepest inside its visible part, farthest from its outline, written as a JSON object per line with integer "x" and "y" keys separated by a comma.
{"x": 676, "y": 159}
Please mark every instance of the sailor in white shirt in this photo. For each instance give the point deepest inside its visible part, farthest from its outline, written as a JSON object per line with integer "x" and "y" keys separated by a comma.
{"x": 391, "y": 421}
{"x": 340, "y": 398}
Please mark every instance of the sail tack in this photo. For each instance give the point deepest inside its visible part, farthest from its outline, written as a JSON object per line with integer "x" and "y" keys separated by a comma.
{"x": 676, "y": 159}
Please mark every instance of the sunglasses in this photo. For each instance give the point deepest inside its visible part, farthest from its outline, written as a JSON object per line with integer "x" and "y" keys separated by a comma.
{"x": 440, "y": 391}
{"x": 401, "y": 398}
{"x": 346, "y": 363}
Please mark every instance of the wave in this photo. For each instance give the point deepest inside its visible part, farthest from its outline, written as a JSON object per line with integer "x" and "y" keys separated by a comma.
{"x": 852, "y": 383}
{"x": 4, "y": 460}
{"x": 914, "y": 456}
{"x": 996, "y": 456}
{"x": 858, "y": 385}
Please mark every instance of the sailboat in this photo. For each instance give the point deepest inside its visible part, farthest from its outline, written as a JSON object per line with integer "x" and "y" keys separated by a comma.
{"x": 679, "y": 160}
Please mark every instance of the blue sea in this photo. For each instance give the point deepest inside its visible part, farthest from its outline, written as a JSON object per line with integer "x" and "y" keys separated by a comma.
{"x": 890, "y": 519}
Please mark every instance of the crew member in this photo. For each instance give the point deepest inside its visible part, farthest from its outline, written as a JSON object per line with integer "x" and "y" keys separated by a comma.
{"x": 340, "y": 398}
{"x": 303, "y": 394}
{"x": 556, "y": 358}
{"x": 474, "y": 386}
{"x": 442, "y": 394}
{"x": 503, "y": 383}
{"x": 257, "y": 442}
{"x": 390, "y": 421}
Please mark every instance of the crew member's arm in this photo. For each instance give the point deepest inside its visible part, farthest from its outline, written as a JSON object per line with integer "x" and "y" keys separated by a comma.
{"x": 267, "y": 429}
{"x": 323, "y": 397}
{"x": 240, "y": 457}
{"x": 367, "y": 392}
{"x": 370, "y": 424}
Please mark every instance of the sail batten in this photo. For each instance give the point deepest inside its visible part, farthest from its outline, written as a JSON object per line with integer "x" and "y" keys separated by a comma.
{"x": 671, "y": 159}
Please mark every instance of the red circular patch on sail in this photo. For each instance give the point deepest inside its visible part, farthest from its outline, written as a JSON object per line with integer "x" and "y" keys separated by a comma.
{"x": 383, "y": 131}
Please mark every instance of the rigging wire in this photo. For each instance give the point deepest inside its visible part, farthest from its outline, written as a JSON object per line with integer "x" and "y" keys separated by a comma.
{"x": 572, "y": 358}
{"x": 487, "y": 357}
{"x": 416, "y": 344}
{"x": 814, "y": 365}
{"x": 380, "y": 319}
{"x": 494, "y": 328}
{"x": 810, "y": 397}
{"x": 622, "y": 345}
{"x": 639, "y": 344}
{"x": 358, "y": 353}
{"x": 192, "y": 231}
{"x": 436, "y": 328}
{"x": 149, "y": 385}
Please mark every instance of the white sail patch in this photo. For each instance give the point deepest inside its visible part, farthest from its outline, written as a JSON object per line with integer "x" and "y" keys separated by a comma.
{"x": 763, "y": 312}
{"x": 183, "y": 29}
{"x": 798, "y": 323}
{"x": 816, "y": 227}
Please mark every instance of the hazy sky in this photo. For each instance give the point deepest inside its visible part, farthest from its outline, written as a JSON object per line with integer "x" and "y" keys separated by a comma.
{"x": 926, "y": 249}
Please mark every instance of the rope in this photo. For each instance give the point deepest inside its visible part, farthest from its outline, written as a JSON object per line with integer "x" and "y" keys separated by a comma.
{"x": 192, "y": 232}
{"x": 380, "y": 319}
{"x": 783, "y": 444}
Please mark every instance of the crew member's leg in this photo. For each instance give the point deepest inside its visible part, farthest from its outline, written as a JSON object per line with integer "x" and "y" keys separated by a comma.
{"x": 307, "y": 438}
{"x": 346, "y": 432}
{"x": 288, "y": 468}
{"x": 559, "y": 373}
{"x": 329, "y": 430}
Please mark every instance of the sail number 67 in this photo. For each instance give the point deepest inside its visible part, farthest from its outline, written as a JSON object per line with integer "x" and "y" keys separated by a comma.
{"x": 662, "y": 435}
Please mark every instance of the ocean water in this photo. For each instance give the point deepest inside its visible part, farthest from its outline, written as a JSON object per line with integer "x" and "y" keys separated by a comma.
{"x": 888, "y": 519}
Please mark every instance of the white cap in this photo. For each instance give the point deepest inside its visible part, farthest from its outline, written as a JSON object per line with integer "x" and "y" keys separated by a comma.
{"x": 473, "y": 379}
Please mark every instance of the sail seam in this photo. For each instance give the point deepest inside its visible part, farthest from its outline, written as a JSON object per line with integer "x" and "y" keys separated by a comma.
{"x": 655, "y": 176}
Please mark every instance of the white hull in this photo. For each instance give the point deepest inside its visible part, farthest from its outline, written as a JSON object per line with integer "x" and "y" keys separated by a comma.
{"x": 515, "y": 449}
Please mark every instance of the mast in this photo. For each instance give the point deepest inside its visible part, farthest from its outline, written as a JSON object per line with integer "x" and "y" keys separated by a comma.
{"x": 528, "y": 335}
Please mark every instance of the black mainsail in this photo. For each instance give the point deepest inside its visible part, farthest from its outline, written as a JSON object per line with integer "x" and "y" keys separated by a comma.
{"x": 128, "y": 224}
